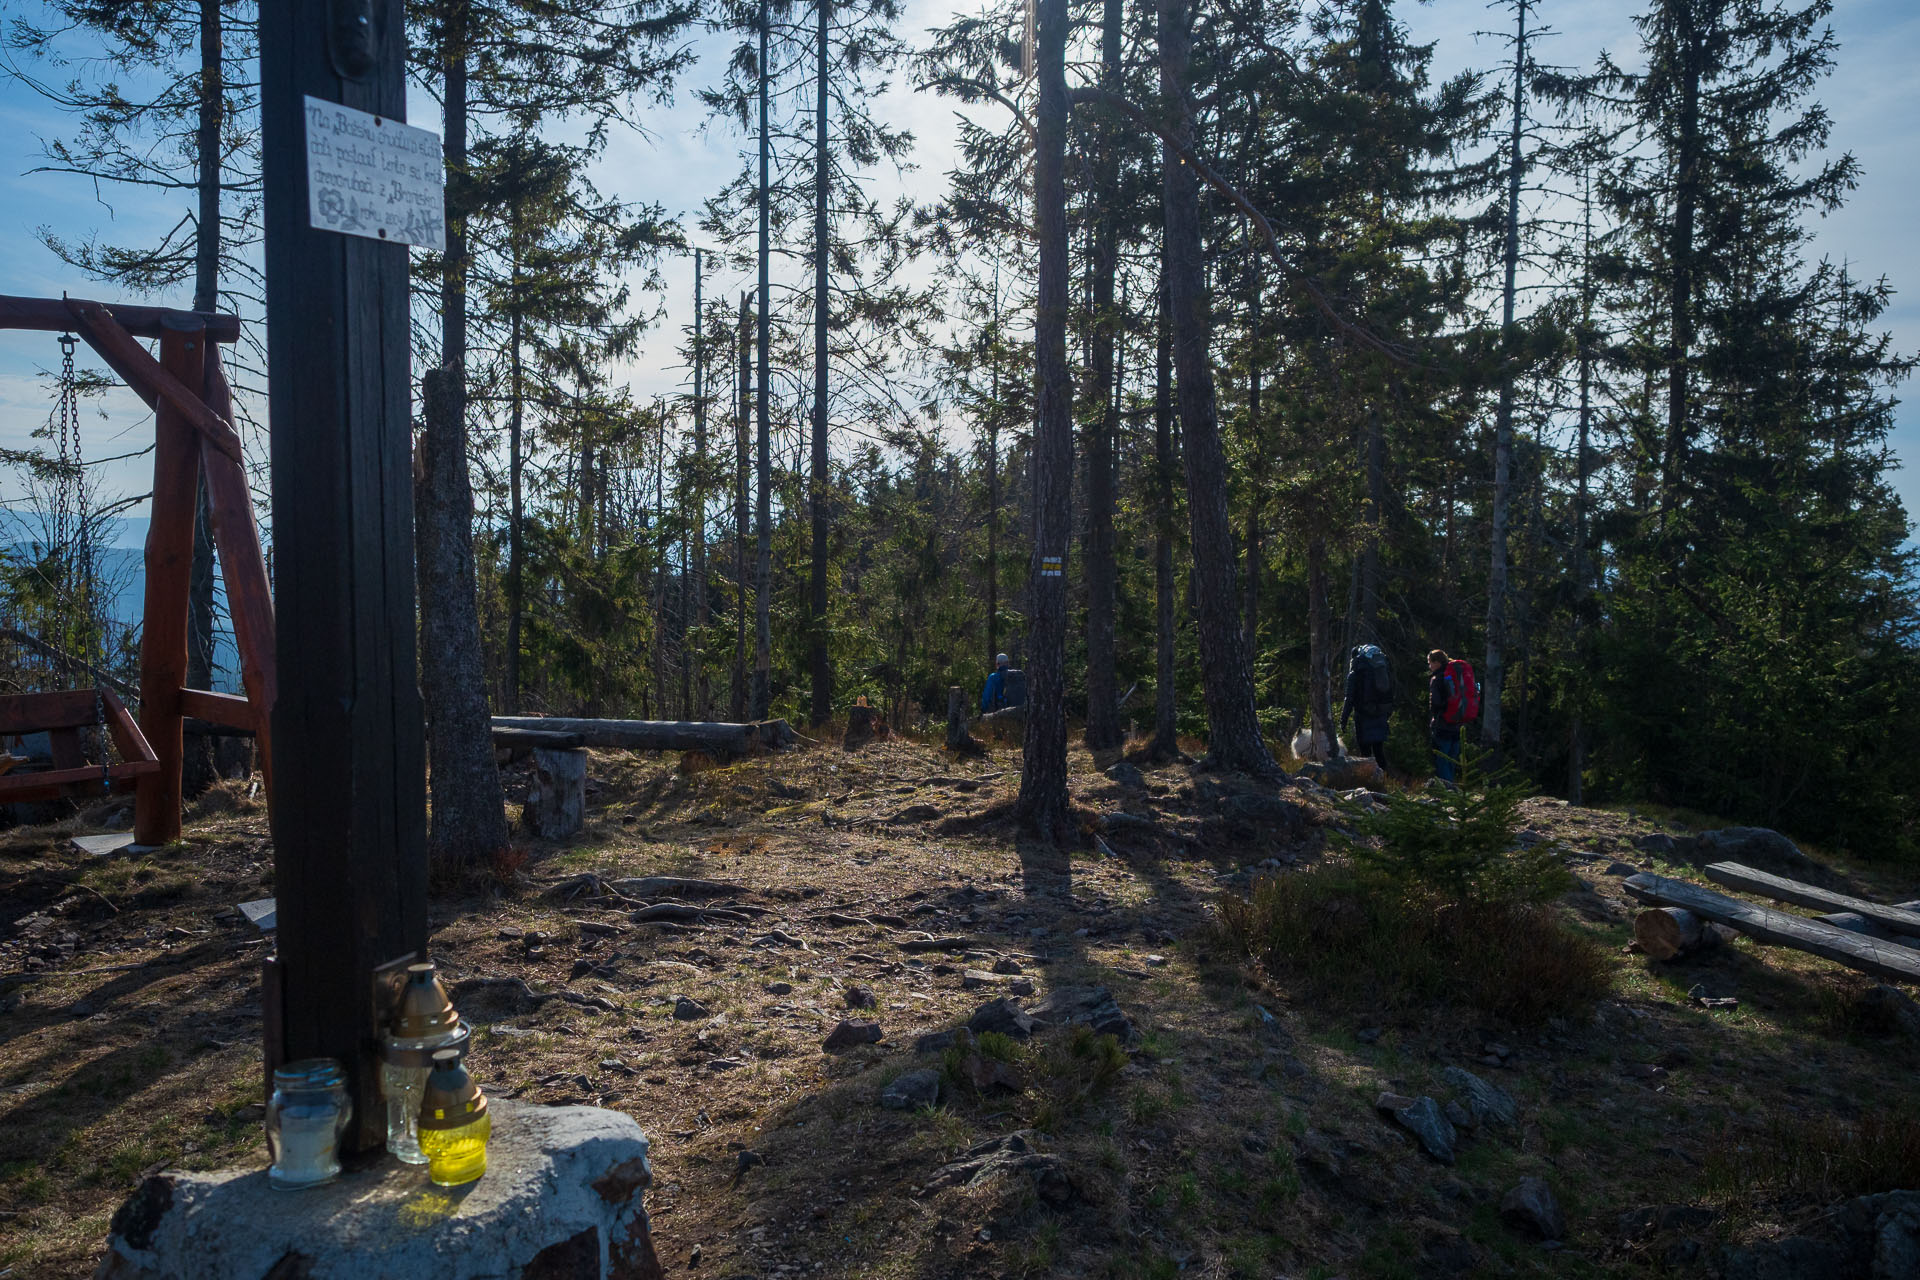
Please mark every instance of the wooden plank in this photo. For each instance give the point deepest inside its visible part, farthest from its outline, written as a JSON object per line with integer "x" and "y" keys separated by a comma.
{"x": 217, "y": 708}
{"x": 659, "y": 735}
{"x": 127, "y": 738}
{"x": 347, "y": 729}
{"x": 53, "y": 315}
{"x": 35, "y": 712}
{"x": 1763, "y": 924}
{"x": 58, "y": 784}
{"x": 1747, "y": 880}
{"x": 169, "y": 565}
{"x": 528, "y": 739}
{"x": 244, "y": 570}
{"x": 151, "y": 379}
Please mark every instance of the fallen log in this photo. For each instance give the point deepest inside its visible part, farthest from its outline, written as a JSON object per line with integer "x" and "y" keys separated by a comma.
{"x": 1747, "y": 880}
{"x": 1854, "y": 922}
{"x": 715, "y": 737}
{"x": 1667, "y": 932}
{"x": 1763, "y": 924}
{"x": 936, "y": 944}
{"x": 528, "y": 739}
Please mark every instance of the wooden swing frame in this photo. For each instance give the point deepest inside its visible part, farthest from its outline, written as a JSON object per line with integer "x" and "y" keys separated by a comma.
{"x": 187, "y": 388}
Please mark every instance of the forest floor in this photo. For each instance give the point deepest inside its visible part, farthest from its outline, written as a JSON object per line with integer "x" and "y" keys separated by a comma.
{"x": 1236, "y": 1136}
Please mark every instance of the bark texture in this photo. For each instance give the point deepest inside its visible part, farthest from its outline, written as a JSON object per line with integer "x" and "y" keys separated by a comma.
{"x": 1104, "y": 728}
{"x": 468, "y": 821}
{"x": 1234, "y": 738}
{"x": 1043, "y": 779}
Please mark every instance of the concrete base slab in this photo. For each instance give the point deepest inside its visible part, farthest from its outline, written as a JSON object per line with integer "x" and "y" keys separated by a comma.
{"x": 262, "y": 913}
{"x": 562, "y": 1199}
{"x": 112, "y": 842}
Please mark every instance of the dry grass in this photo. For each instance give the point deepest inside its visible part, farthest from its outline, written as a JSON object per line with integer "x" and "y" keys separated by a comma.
{"x": 1358, "y": 943}
{"x": 1820, "y": 1160}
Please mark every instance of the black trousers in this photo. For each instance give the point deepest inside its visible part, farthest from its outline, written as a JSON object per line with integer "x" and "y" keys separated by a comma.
{"x": 1378, "y": 750}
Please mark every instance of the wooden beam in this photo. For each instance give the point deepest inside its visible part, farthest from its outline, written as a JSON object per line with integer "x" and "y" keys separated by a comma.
{"x": 348, "y": 732}
{"x": 1747, "y": 880}
{"x": 217, "y": 708}
{"x": 528, "y": 739}
{"x": 249, "y": 596}
{"x": 169, "y": 565}
{"x": 58, "y": 784}
{"x": 150, "y": 379}
{"x": 54, "y": 315}
{"x": 35, "y": 712}
{"x": 660, "y": 735}
{"x": 1886, "y": 961}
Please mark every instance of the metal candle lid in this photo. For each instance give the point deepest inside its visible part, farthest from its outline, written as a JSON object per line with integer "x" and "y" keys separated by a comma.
{"x": 309, "y": 1074}
{"x": 452, "y": 1098}
{"x": 423, "y": 1011}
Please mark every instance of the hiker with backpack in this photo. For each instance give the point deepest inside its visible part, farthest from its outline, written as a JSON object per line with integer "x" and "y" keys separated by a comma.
{"x": 1369, "y": 700}
{"x": 1453, "y": 698}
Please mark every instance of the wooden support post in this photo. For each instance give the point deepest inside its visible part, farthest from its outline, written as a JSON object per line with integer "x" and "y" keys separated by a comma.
{"x": 349, "y": 813}
{"x": 557, "y": 798}
{"x": 169, "y": 563}
{"x": 242, "y": 568}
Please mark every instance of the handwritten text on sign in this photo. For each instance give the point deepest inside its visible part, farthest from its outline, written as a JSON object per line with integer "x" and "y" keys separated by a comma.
{"x": 374, "y": 177}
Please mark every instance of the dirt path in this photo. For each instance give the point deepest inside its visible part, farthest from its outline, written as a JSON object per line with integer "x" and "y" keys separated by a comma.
{"x": 1235, "y": 1136}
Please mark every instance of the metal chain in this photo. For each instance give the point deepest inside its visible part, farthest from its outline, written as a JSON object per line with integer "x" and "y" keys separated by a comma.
{"x": 67, "y": 436}
{"x": 100, "y": 737}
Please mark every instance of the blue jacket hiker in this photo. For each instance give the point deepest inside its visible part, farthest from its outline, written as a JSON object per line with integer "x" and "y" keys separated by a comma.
{"x": 1369, "y": 699}
{"x": 994, "y": 696}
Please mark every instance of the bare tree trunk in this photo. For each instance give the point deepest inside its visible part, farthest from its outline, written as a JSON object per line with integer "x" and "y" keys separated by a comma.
{"x": 737, "y": 695}
{"x": 1368, "y": 606}
{"x": 819, "y": 661}
{"x": 197, "y": 767}
{"x": 993, "y": 489}
{"x": 1235, "y": 741}
{"x": 1319, "y": 646}
{"x": 515, "y": 512}
{"x": 1577, "y": 744}
{"x": 763, "y": 503}
{"x": 1166, "y": 743}
{"x": 1104, "y": 729}
{"x": 1043, "y": 803}
{"x": 1493, "y": 672}
{"x": 469, "y": 822}
{"x": 697, "y": 527}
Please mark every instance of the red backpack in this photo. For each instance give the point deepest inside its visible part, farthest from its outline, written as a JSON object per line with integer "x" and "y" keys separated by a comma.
{"x": 1463, "y": 693}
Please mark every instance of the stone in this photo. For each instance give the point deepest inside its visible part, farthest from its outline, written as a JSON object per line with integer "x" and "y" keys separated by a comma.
{"x": 1459, "y": 1117}
{"x": 1794, "y": 1258}
{"x": 1529, "y": 1206}
{"x": 935, "y": 1041}
{"x": 1089, "y": 1006}
{"x": 851, "y": 1032}
{"x": 1368, "y": 1035}
{"x": 1755, "y": 847}
{"x": 911, "y": 1090}
{"x": 1884, "y": 1010}
{"x": 1621, "y": 869}
{"x": 1003, "y": 1016}
{"x": 562, "y": 1198}
{"x": 1656, "y": 842}
{"x": 780, "y": 988}
{"x": 1422, "y": 1118}
{"x": 1020, "y": 987}
{"x": 686, "y": 1009}
{"x": 1007, "y": 964}
{"x": 974, "y": 979}
{"x": 1127, "y": 775}
{"x": 1486, "y": 1102}
{"x": 1052, "y": 1178}
{"x": 859, "y": 998}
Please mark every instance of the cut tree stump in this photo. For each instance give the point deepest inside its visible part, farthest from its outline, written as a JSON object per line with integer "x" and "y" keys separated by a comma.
{"x": 958, "y": 739}
{"x": 1667, "y": 932}
{"x": 557, "y": 798}
{"x": 1763, "y": 924}
{"x": 1747, "y": 880}
{"x": 864, "y": 724}
{"x": 720, "y": 739}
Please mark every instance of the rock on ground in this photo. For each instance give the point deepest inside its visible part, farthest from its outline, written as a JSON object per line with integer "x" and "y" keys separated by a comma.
{"x": 911, "y": 1090}
{"x": 1003, "y": 1016}
{"x": 1422, "y": 1118}
{"x": 562, "y": 1196}
{"x": 1091, "y": 1006}
{"x": 1483, "y": 1101}
{"x": 851, "y": 1032}
{"x": 1530, "y": 1206}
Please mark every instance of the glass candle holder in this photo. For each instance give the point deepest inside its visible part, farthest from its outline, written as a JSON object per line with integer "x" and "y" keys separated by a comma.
{"x": 422, "y": 1022}
{"x": 454, "y": 1124}
{"x": 405, "y": 1064}
{"x": 306, "y": 1115}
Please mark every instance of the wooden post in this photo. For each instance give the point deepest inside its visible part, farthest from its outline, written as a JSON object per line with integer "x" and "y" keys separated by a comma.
{"x": 557, "y": 800}
{"x": 169, "y": 563}
{"x": 349, "y": 813}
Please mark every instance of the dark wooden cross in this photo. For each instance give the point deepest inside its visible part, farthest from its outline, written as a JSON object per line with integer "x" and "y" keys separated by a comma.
{"x": 349, "y": 807}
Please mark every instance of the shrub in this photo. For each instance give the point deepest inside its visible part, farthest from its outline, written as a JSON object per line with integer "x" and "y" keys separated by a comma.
{"x": 1821, "y": 1160}
{"x": 1459, "y": 844}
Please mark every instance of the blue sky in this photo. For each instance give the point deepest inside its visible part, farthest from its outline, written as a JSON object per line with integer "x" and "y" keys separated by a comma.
{"x": 1873, "y": 98}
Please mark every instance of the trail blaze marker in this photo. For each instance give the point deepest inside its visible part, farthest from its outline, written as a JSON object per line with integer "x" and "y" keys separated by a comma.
{"x": 1053, "y": 566}
{"x": 371, "y": 176}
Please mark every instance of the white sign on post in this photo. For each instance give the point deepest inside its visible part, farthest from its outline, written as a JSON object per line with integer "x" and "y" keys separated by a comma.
{"x": 374, "y": 177}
